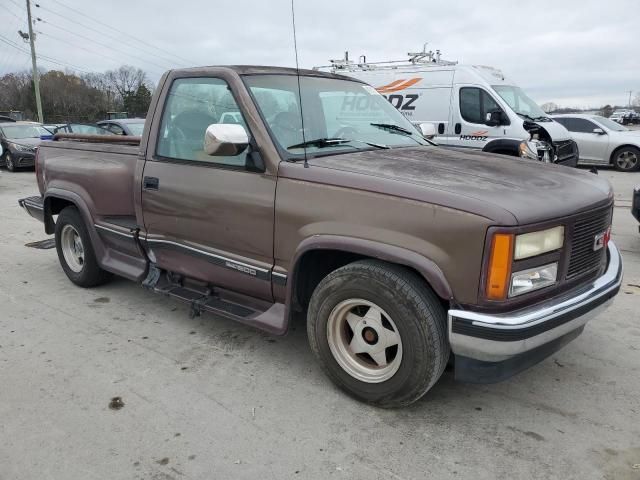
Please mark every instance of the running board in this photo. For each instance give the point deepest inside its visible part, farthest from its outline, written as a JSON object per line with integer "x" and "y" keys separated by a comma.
{"x": 205, "y": 298}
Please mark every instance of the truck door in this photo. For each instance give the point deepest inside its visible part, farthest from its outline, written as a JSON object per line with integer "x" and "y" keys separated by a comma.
{"x": 206, "y": 217}
{"x": 469, "y": 108}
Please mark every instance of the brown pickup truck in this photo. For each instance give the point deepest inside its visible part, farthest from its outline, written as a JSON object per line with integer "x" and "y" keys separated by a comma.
{"x": 401, "y": 255}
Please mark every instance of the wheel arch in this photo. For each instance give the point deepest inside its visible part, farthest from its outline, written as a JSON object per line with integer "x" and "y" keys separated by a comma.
{"x": 319, "y": 255}
{"x": 504, "y": 146}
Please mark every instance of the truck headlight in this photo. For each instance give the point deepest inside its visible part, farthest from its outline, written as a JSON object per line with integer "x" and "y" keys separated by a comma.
{"x": 536, "y": 243}
{"x": 20, "y": 148}
{"x": 533, "y": 279}
{"x": 536, "y": 150}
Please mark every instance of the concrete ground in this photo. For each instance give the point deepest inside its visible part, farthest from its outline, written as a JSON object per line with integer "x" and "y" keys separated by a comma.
{"x": 206, "y": 398}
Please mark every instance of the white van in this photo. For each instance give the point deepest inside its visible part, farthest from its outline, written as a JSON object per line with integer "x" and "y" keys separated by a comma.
{"x": 471, "y": 106}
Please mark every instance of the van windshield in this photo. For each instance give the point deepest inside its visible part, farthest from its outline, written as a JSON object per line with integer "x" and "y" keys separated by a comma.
{"x": 520, "y": 102}
{"x": 338, "y": 115}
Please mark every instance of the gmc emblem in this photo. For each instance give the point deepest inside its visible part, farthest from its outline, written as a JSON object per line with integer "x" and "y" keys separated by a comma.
{"x": 599, "y": 241}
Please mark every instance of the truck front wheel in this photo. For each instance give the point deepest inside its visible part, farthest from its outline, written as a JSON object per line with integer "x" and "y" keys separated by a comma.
{"x": 75, "y": 251}
{"x": 379, "y": 332}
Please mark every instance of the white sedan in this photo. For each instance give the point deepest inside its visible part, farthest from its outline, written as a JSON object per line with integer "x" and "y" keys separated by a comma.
{"x": 602, "y": 141}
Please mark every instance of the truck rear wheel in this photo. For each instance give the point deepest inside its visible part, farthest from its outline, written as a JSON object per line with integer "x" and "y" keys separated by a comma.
{"x": 75, "y": 251}
{"x": 379, "y": 332}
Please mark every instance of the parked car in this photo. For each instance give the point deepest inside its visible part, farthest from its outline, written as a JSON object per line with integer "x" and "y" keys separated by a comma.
{"x": 5, "y": 118}
{"x": 19, "y": 142}
{"x": 398, "y": 252}
{"x": 602, "y": 141}
{"x": 471, "y": 106}
{"x": 82, "y": 129}
{"x": 124, "y": 126}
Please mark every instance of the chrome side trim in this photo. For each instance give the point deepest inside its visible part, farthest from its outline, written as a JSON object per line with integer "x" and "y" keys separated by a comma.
{"x": 209, "y": 254}
{"x": 111, "y": 230}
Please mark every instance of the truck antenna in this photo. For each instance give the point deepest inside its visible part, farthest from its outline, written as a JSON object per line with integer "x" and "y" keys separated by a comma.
{"x": 295, "y": 47}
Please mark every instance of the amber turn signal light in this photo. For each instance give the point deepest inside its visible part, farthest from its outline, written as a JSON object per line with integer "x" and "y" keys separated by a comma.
{"x": 499, "y": 266}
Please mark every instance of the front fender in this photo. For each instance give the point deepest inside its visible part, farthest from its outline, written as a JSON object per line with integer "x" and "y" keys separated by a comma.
{"x": 390, "y": 253}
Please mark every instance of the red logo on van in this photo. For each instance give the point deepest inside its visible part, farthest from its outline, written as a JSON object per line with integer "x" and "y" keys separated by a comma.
{"x": 398, "y": 85}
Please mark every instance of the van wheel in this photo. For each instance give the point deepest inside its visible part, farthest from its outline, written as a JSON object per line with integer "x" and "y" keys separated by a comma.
{"x": 627, "y": 159}
{"x": 379, "y": 332}
{"x": 75, "y": 251}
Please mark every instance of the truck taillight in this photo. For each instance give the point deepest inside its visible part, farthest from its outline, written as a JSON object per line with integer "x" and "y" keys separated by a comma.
{"x": 36, "y": 161}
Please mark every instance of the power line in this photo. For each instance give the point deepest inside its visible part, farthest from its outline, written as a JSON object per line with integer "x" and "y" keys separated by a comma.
{"x": 20, "y": 7}
{"x": 163, "y": 68}
{"x": 108, "y": 35}
{"x": 190, "y": 62}
{"x": 93, "y": 52}
{"x": 45, "y": 58}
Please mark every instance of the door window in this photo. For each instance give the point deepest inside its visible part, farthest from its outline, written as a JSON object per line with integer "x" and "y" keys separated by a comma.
{"x": 113, "y": 128}
{"x": 475, "y": 103}
{"x": 577, "y": 125}
{"x": 191, "y": 106}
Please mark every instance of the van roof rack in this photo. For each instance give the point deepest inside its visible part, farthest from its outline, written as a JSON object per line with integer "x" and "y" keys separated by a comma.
{"x": 423, "y": 57}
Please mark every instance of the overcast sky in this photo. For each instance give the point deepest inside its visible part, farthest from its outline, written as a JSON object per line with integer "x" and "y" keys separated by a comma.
{"x": 571, "y": 52}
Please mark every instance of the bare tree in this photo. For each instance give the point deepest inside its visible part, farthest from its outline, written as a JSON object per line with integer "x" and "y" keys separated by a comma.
{"x": 549, "y": 107}
{"x": 125, "y": 80}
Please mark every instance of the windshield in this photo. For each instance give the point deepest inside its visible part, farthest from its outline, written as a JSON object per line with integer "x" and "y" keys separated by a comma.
{"x": 136, "y": 128}
{"x": 610, "y": 124}
{"x": 24, "y": 131}
{"x": 519, "y": 102}
{"x": 332, "y": 109}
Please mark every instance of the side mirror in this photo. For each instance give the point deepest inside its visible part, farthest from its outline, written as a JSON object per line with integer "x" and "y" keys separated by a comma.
{"x": 493, "y": 119}
{"x": 225, "y": 139}
{"x": 428, "y": 130}
{"x": 598, "y": 131}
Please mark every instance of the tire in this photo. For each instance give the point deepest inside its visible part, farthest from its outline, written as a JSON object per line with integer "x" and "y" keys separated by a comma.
{"x": 626, "y": 159}
{"x": 8, "y": 161}
{"x": 410, "y": 313}
{"x": 75, "y": 250}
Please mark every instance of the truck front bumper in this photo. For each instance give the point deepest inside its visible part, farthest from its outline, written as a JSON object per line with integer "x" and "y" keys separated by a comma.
{"x": 492, "y": 347}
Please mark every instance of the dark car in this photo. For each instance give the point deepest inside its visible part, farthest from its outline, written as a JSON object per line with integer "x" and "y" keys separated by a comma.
{"x": 124, "y": 126}
{"x": 19, "y": 142}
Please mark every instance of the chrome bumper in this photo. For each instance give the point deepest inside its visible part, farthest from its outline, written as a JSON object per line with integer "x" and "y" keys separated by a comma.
{"x": 501, "y": 337}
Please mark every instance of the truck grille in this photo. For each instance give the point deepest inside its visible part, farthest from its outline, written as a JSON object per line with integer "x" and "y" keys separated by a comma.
{"x": 583, "y": 258}
{"x": 564, "y": 149}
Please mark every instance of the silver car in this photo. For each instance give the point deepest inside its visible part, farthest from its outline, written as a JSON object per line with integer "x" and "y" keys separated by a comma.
{"x": 602, "y": 141}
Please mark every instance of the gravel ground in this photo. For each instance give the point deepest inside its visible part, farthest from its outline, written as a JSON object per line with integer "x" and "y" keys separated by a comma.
{"x": 206, "y": 398}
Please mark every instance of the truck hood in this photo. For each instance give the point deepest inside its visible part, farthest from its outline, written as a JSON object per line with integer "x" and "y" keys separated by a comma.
{"x": 556, "y": 131}
{"x": 508, "y": 190}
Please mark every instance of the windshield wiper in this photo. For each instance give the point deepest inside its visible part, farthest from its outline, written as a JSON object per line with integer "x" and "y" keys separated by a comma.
{"x": 391, "y": 127}
{"x": 330, "y": 142}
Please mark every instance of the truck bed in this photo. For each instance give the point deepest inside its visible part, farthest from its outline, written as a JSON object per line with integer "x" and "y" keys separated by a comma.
{"x": 103, "y": 174}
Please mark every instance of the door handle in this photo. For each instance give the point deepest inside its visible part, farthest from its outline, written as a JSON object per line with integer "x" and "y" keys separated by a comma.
{"x": 458, "y": 128}
{"x": 150, "y": 183}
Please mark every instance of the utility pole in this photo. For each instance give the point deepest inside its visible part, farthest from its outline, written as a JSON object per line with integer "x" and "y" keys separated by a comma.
{"x": 36, "y": 79}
